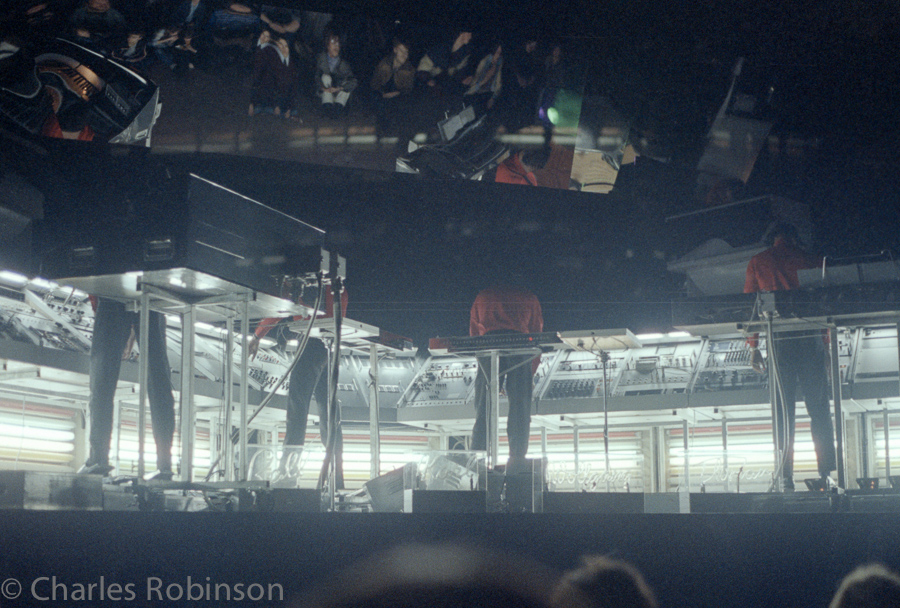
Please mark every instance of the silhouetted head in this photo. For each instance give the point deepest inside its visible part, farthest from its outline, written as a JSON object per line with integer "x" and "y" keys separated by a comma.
{"x": 786, "y": 231}
{"x": 602, "y": 582}
{"x": 444, "y": 576}
{"x": 871, "y": 586}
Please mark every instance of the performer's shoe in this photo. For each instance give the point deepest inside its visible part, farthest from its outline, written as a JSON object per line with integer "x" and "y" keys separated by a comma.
{"x": 788, "y": 484}
{"x": 160, "y": 475}
{"x": 281, "y": 479}
{"x": 95, "y": 468}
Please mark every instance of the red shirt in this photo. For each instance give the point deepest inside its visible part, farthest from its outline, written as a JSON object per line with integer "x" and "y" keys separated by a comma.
{"x": 267, "y": 324}
{"x": 776, "y": 268}
{"x": 506, "y": 308}
{"x": 511, "y": 171}
{"x": 509, "y": 308}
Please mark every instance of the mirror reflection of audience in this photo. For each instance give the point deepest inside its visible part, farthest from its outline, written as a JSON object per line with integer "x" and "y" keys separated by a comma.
{"x": 276, "y": 78}
{"x": 870, "y": 586}
{"x": 281, "y": 23}
{"x": 602, "y": 582}
{"x": 132, "y": 52}
{"x": 335, "y": 80}
{"x": 442, "y": 576}
{"x": 235, "y": 27}
{"x": 99, "y": 21}
{"x": 163, "y": 45}
{"x": 519, "y": 96}
{"x": 192, "y": 12}
{"x": 486, "y": 84}
{"x": 193, "y": 17}
{"x": 185, "y": 53}
{"x": 392, "y": 83}
{"x": 556, "y": 76}
{"x": 41, "y": 17}
{"x": 444, "y": 68}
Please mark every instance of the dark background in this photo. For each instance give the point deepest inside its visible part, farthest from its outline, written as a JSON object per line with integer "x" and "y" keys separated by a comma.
{"x": 715, "y": 560}
{"x": 418, "y": 251}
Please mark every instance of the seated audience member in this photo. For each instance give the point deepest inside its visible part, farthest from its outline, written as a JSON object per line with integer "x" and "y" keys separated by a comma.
{"x": 871, "y": 586}
{"x": 392, "y": 83}
{"x": 133, "y": 52}
{"x": 163, "y": 44}
{"x": 275, "y": 78}
{"x": 520, "y": 167}
{"x": 487, "y": 82}
{"x": 192, "y": 12}
{"x": 281, "y": 24}
{"x": 445, "y": 67}
{"x": 41, "y": 17}
{"x": 101, "y": 22}
{"x": 185, "y": 53}
{"x": 193, "y": 17}
{"x": 519, "y": 98}
{"x": 443, "y": 576}
{"x": 334, "y": 78}
{"x": 235, "y": 28}
{"x": 602, "y": 582}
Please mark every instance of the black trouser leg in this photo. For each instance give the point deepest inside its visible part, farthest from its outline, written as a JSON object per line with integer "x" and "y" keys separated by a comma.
{"x": 519, "y": 390}
{"x": 112, "y": 326}
{"x": 814, "y": 382}
{"x": 786, "y": 400}
{"x": 307, "y": 376}
{"x": 327, "y": 423}
{"x": 159, "y": 391}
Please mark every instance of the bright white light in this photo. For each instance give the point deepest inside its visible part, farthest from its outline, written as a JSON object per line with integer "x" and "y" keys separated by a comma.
{"x": 678, "y": 334}
{"x": 15, "y": 433}
{"x": 13, "y": 278}
{"x": 43, "y": 283}
{"x": 655, "y": 336}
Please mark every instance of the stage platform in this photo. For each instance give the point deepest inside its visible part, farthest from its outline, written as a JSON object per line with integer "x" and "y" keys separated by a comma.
{"x": 711, "y": 560}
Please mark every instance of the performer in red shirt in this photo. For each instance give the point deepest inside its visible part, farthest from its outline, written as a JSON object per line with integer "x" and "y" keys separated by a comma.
{"x": 307, "y": 378}
{"x": 505, "y": 309}
{"x": 520, "y": 167}
{"x": 799, "y": 356}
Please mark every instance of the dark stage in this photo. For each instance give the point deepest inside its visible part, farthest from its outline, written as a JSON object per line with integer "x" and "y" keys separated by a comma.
{"x": 721, "y": 560}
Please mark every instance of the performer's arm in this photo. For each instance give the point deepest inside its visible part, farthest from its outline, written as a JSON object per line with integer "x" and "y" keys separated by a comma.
{"x": 264, "y": 327}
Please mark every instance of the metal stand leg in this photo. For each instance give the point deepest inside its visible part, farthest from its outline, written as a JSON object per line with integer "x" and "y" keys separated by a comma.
{"x": 838, "y": 412}
{"x": 374, "y": 435}
{"x": 143, "y": 374}
{"x": 604, "y": 357}
{"x": 328, "y": 440}
{"x": 227, "y": 444}
{"x": 778, "y": 477}
{"x": 187, "y": 394}
{"x": 493, "y": 417}
{"x": 245, "y": 333}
